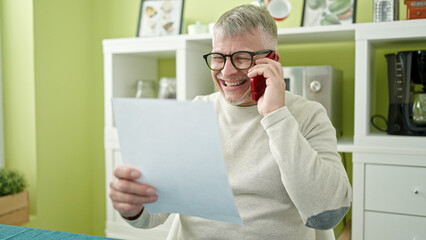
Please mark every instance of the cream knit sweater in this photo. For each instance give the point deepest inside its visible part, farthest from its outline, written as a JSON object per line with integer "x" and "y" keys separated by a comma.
{"x": 284, "y": 170}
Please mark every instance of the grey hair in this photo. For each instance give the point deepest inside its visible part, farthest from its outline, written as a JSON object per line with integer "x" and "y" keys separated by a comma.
{"x": 246, "y": 18}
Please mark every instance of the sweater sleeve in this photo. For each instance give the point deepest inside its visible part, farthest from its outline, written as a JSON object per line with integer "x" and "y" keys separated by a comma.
{"x": 146, "y": 220}
{"x": 310, "y": 166}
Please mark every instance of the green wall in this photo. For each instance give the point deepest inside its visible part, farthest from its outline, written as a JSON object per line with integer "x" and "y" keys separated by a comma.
{"x": 53, "y": 95}
{"x": 18, "y": 89}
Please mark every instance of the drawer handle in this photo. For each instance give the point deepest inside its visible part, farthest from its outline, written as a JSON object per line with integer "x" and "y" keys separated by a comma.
{"x": 416, "y": 191}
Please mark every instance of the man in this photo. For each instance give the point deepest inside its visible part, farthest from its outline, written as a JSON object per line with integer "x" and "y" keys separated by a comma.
{"x": 280, "y": 152}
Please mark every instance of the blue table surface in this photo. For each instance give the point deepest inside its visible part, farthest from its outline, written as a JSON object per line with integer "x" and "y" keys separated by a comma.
{"x": 14, "y": 232}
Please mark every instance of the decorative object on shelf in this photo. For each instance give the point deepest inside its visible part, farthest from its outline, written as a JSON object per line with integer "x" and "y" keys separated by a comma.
{"x": 13, "y": 198}
{"x": 386, "y": 10}
{"x": 279, "y": 9}
{"x": 167, "y": 88}
{"x": 407, "y": 110}
{"x": 160, "y": 18}
{"x": 416, "y": 9}
{"x": 197, "y": 28}
{"x": 145, "y": 89}
{"x": 328, "y": 12}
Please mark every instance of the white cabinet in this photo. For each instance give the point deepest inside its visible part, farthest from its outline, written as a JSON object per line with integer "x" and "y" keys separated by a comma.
{"x": 129, "y": 60}
{"x": 397, "y": 189}
{"x": 394, "y": 227}
{"x": 389, "y": 195}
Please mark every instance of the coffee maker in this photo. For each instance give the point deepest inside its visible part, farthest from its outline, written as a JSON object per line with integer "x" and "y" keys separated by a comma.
{"x": 407, "y": 93}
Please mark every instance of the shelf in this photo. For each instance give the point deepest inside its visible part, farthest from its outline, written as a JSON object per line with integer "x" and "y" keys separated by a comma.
{"x": 374, "y": 32}
{"x": 392, "y": 31}
{"x": 384, "y": 143}
{"x": 143, "y": 45}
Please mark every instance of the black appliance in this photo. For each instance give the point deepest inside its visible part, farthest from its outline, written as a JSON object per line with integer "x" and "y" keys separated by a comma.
{"x": 407, "y": 104}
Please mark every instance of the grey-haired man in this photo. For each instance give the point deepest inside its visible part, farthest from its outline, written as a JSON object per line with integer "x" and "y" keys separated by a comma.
{"x": 280, "y": 152}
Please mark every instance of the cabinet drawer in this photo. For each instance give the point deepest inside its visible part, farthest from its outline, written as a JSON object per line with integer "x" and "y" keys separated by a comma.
{"x": 396, "y": 189}
{"x": 393, "y": 226}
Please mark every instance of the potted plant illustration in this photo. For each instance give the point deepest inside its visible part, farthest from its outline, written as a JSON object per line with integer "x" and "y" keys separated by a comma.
{"x": 13, "y": 198}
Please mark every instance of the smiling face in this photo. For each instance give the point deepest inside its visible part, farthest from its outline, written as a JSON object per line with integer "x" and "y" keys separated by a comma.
{"x": 233, "y": 84}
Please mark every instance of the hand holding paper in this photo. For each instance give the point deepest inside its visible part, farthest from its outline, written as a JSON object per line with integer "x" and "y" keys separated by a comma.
{"x": 177, "y": 148}
{"x": 127, "y": 195}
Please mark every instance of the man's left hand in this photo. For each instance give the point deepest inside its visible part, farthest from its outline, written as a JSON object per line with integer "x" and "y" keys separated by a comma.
{"x": 274, "y": 96}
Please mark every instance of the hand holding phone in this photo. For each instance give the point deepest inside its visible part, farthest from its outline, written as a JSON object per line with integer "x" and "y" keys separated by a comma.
{"x": 258, "y": 83}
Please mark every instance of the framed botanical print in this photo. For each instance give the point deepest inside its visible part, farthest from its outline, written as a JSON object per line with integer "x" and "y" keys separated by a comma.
{"x": 160, "y": 18}
{"x": 328, "y": 12}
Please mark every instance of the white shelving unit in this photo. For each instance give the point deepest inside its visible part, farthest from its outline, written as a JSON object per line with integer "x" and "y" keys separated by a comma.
{"x": 366, "y": 40}
{"x": 129, "y": 60}
{"x": 389, "y": 172}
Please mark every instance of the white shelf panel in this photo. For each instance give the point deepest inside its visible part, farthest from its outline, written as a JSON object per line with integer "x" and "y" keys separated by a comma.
{"x": 389, "y": 158}
{"x": 383, "y": 143}
{"x": 143, "y": 45}
{"x": 383, "y": 31}
{"x": 380, "y": 31}
{"x": 392, "y": 31}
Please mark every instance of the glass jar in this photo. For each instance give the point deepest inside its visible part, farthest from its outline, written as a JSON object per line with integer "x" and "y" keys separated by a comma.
{"x": 167, "y": 88}
{"x": 145, "y": 89}
{"x": 384, "y": 10}
{"x": 419, "y": 108}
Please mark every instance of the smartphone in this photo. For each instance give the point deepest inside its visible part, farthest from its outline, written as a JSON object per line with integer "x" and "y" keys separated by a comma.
{"x": 258, "y": 83}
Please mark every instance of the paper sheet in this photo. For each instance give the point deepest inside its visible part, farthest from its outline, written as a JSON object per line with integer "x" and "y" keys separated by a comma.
{"x": 176, "y": 146}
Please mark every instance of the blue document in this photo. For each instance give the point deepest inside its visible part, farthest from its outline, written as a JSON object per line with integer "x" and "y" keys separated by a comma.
{"x": 177, "y": 148}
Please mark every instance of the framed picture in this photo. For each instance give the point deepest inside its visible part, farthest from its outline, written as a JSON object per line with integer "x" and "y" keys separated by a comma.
{"x": 328, "y": 12}
{"x": 160, "y": 18}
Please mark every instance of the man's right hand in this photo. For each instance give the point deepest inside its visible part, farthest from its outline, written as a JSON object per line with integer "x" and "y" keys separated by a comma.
{"x": 127, "y": 195}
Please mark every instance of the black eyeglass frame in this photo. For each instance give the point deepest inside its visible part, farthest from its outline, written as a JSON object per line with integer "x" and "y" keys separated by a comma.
{"x": 252, "y": 54}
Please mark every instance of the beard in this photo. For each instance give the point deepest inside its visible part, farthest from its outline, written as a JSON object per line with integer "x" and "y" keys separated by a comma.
{"x": 241, "y": 100}
{"x": 233, "y": 99}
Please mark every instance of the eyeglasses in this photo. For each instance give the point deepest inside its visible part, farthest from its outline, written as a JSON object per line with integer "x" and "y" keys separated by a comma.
{"x": 241, "y": 60}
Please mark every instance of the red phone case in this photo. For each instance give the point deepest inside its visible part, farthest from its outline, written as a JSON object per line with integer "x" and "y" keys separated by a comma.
{"x": 258, "y": 86}
{"x": 258, "y": 83}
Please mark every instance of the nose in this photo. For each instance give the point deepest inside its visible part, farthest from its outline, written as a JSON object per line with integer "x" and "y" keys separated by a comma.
{"x": 228, "y": 69}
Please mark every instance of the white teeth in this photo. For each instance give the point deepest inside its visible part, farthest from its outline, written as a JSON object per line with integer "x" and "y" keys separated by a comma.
{"x": 234, "y": 83}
